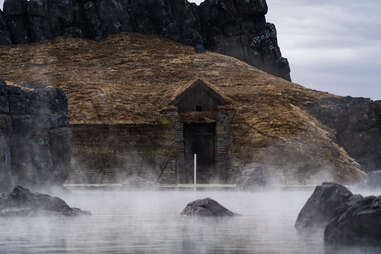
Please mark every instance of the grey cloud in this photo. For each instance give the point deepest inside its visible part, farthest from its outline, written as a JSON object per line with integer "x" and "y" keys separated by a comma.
{"x": 332, "y": 46}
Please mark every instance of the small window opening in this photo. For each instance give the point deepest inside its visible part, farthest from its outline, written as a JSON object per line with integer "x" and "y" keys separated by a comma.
{"x": 198, "y": 108}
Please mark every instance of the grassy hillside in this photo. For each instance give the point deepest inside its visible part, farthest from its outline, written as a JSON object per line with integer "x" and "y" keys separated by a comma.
{"x": 129, "y": 78}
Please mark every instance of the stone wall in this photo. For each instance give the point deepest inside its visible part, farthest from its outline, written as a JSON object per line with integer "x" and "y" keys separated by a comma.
{"x": 112, "y": 153}
{"x": 224, "y": 145}
{"x": 35, "y": 138}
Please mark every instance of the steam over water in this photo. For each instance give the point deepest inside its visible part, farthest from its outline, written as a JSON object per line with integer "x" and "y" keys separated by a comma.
{"x": 149, "y": 222}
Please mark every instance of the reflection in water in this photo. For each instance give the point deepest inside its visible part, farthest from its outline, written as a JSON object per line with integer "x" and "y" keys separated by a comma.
{"x": 149, "y": 222}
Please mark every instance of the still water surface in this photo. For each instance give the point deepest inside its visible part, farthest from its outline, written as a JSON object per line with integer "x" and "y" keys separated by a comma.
{"x": 149, "y": 222}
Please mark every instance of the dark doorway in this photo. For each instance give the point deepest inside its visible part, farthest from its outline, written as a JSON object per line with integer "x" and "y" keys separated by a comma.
{"x": 199, "y": 139}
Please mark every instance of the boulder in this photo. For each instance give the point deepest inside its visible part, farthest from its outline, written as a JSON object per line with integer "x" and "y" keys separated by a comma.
{"x": 358, "y": 224}
{"x": 206, "y": 208}
{"x": 325, "y": 203}
{"x": 23, "y": 202}
{"x": 254, "y": 175}
{"x": 235, "y": 28}
{"x": 35, "y": 136}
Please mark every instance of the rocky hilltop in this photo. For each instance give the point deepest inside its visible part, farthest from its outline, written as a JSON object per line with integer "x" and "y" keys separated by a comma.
{"x": 35, "y": 141}
{"x": 236, "y": 28}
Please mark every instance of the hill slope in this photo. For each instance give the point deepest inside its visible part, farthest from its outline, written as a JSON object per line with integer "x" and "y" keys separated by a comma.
{"x": 236, "y": 28}
{"x": 129, "y": 78}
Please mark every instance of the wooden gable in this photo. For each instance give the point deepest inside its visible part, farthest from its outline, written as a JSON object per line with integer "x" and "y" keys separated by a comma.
{"x": 198, "y": 96}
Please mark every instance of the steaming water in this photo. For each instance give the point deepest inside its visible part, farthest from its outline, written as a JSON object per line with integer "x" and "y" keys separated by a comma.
{"x": 149, "y": 222}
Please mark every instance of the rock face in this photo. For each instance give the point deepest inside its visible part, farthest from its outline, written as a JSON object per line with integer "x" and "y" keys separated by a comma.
{"x": 254, "y": 175}
{"x": 357, "y": 122}
{"x": 360, "y": 224}
{"x": 5, "y": 37}
{"x": 322, "y": 206}
{"x": 206, "y": 208}
{"x": 35, "y": 138}
{"x": 236, "y": 28}
{"x": 23, "y": 202}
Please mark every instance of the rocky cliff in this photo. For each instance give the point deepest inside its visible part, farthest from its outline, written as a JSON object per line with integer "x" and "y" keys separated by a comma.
{"x": 35, "y": 141}
{"x": 357, "y": 126}
{"x": 236, "y": 28}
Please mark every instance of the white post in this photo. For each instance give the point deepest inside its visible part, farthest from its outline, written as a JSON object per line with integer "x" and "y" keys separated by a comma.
{"x": 195, "y": 170}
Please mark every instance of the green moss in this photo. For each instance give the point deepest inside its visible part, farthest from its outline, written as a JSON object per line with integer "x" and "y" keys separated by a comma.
{"x": 164, "y": 120}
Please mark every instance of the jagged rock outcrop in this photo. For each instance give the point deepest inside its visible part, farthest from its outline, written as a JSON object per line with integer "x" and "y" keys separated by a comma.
{"x": 239, "y": 29}
{"x": 236, "y": 28}
{"x": 206, "y": 208}
{"x": 5, "y": 37}
{"x": 23, "y": 202}
{"x": 357, "y": 123}
{"x": 35, "y": 138}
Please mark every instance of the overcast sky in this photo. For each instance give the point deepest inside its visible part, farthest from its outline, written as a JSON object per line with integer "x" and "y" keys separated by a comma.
{"x": 332, "y": 46}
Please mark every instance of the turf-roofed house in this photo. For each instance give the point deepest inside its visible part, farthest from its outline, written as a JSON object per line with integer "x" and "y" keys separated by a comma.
{"x": 196, "y": 121}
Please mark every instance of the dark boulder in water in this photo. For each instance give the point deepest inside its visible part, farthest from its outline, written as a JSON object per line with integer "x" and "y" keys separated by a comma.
{"x": 253, "y": 176}
{"x": 323, "y": 205}
{"x": 359, "y": 224}
{"x": 23, "y": 202}
{"x": 347, "y": 219}
{"x": 206, "y": 208}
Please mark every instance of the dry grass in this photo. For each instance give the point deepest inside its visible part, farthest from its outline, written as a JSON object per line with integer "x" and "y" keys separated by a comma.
{"x": 129, "y": 78}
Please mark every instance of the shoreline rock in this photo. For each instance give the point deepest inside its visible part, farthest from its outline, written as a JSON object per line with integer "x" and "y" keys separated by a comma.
{"x": 322, "y": 206}
{"x": 359, "y": 224}
{"x": 347, "y": 219}
{"x": 35, "y": 137}
{"x": 23, "y": 202}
